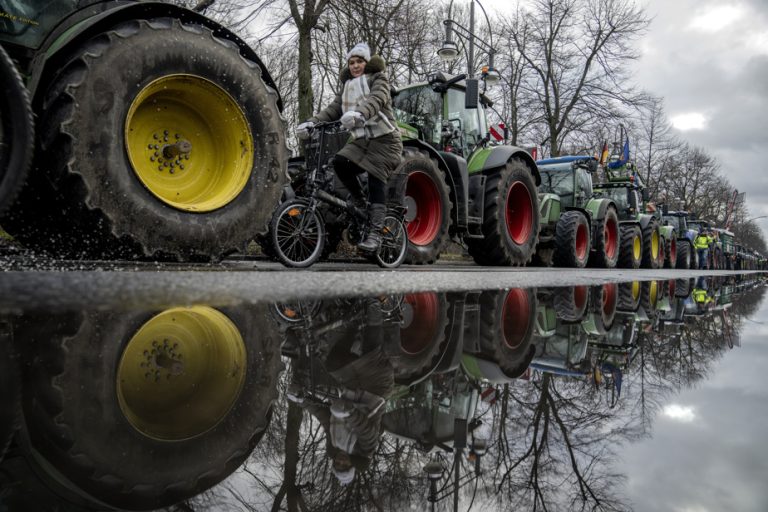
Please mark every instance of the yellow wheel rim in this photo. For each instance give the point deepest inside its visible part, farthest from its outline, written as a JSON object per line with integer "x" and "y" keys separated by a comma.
{"x": 189, "y": 143}
{"x": 637, "y": 248}
{"x": 181, "y": 373}
{"x": 655, "y": 245}
{"x": 635, "y": 290}
{"x": 654, "y": 293}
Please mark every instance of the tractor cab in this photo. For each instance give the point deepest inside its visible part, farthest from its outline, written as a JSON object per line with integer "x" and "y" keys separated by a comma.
{"x": 569, "y": 177}
{"x": 444, "y": 113}
{"x": 627, "y": 197}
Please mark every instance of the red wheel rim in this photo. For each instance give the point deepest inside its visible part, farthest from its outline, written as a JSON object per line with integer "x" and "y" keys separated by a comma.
{"x": 582, "y": 244}
{"x": 515, "y": 317}
{"x": 673, "y": 251}
{"x": 424, "y": 194}
{"x": 580, "y": 297}
{"x": 519, "y": 213}
{"x": 417, "y": 336}
{"x": 610, "y": 299}
{"x": 611, "y": 237}
{"x": 672, "y": 288}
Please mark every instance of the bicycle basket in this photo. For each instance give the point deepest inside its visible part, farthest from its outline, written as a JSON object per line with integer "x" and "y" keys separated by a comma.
{"x": 334, "y": 138}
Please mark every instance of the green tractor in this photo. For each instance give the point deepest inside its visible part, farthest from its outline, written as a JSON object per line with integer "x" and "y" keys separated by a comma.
{"x": 575, "y": 226}
{"x": 158, "y": 131}
{"x": 458, "y": 185}
{"x": 686, "y": 255}
{"x": 642, "y": 241}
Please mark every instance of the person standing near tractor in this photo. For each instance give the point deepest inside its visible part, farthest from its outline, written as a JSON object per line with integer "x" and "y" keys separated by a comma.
{"x": 364, "y": 106}
{"x": 701, "y": 244}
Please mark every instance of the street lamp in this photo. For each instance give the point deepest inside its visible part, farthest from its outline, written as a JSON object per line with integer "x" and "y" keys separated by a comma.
{"x": 450, "y": 52}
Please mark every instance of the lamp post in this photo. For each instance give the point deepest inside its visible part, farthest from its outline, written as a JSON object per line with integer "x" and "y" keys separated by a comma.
{"x": 449, "y": 51}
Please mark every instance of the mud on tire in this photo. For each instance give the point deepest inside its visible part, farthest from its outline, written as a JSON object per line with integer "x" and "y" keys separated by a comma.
{"x": 510, "y": 220}
{"x": 106, "y": 185}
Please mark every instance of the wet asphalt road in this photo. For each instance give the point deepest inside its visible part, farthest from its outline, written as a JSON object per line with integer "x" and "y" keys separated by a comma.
{"x": 50, "y": 284}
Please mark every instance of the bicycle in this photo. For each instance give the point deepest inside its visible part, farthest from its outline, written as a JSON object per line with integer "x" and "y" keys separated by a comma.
{"x": 298, "y": 228}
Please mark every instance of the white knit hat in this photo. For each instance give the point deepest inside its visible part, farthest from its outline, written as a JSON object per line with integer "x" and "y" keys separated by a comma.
{"x": 360, "y": 50}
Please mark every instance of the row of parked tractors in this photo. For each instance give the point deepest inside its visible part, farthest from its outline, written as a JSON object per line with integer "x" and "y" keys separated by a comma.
{"x": 144, "y": 130}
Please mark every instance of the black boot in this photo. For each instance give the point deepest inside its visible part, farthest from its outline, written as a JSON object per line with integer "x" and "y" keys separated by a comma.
{"x": 376, "y": 214}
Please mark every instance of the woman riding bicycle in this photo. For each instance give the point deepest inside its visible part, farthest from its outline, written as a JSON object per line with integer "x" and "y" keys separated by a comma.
{"x": 364, "y": 106}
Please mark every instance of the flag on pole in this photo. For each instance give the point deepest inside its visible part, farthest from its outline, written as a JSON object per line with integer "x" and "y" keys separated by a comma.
{"x": 604, "y": 154}
{"x": 624, "y": 157}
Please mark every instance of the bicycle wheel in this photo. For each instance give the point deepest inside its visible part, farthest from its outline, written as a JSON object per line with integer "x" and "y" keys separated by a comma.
{"x": 394, "y": 243}
{"x": 298, "y": 234}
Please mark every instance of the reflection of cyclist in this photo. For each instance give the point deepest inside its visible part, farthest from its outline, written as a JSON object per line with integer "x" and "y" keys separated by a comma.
{"x": 364, "y": 106}
{"x": 352, "y": 422}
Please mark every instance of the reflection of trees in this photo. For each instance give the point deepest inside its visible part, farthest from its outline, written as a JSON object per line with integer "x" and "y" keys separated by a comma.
{"x": 554, "y": 439}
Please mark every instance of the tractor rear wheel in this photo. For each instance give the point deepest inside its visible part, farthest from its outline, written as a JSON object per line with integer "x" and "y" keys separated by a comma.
{"x": 651, "y": 245}
{"x": 670, "y": 252}
{"x": 683, "y": 254}
{"x": 16, "y": 132}
{"x": 141, "y": 410}
{"x": 510, "y": 220}
{"x": 631, "y": 251}
{"x": 629, "y": 296}
{"x": 428, "y": 203}
{"x": 571, "y": 303}
{"x": 607, "y": 240}
{"x": 507, "y": 324}
{"x": 157, "y": 139}
{"x": 572, "y": 240}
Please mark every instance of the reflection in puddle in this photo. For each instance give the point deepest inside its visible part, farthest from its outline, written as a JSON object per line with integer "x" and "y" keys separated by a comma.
{"x": 499, "y": 400}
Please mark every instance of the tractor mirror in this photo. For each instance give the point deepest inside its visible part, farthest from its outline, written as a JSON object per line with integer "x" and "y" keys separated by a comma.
{"x": 472, "y": 93}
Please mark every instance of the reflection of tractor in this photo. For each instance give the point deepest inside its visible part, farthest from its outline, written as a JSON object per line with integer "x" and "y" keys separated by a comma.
{"x": 575, "y": 226}
{"x": 457, "y": 184}
{"x": 158, "y": 131}
{"x": 128, "y": 409}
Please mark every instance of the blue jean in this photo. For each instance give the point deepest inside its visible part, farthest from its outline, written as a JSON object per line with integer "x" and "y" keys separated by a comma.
{"x": 703, "y": 254}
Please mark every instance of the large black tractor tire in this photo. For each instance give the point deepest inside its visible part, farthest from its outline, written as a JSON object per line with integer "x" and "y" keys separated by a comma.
{"x": 650, "y": 296}
{"x": 139, "y": 410}
{"x": 671, "y": 248}
{"x": 631, "y": 250}
{"x": 156, "y": 139}
{"x": 684, "y": 287}
{"x": 630, "y": 296}
{"x": 684, "y": 251}
{"x": 651, "y": 245}
{"x": 424, "y": 334}
{"x": 572, "y": 240}
{"x": 607, "y": 243}
{"x": 507, "y": 324}
{"x": 604, "y": 305}
{"x": 428, "y": 202}
{"x": 510, "y": 220}
{"x": 16, "y": 132}
{"x": 10, "y": 390}
{"x": 662, "y": 252}
{"x": 571, "y": 303}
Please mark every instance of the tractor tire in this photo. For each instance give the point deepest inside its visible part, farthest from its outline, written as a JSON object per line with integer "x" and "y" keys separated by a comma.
{"x": 684, "y": 287}
{"x": 683, "y": 254}
{"x": 16, "y": 132}
{"x": 507, "y": 325}
{"x": 10, "y": 393}
{"x": 571, "y": 303}
{"x": 145, "y": 151}
{"x": 651, "y": 245}
{"x": 428, "y": 201}
{"x": 423, "y": 336}
{"x": 141, "y": 410}
{"x": 631, "y": 253}
{"x": 572, "y": 240}
{"x": 662, "y": 252}
{"x": 670, "y": 251}
{"x": 629, "y": 296}
{"x": 650, "y": 296}
{"x": 607, "y": 241}
{"x": 604, "y": 304}
{"x": 510, "y": 220}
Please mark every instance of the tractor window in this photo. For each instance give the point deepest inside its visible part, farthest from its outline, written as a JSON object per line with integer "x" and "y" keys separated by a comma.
{"x": 584, "y": 182}
{"x": 474, "y": 128}
{"x": 421, "y": 108}
{"x": 557, "y": 182}
{"x": 674, "y": 221}
{"x": 619, "y": 195}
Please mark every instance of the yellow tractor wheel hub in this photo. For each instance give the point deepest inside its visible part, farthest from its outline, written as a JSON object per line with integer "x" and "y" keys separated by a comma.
{"x": 189, "y": 143}
{"x": 181, "y": 373}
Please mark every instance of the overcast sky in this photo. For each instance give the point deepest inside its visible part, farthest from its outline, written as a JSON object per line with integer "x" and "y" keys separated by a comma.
{"x": 709, "y": 60}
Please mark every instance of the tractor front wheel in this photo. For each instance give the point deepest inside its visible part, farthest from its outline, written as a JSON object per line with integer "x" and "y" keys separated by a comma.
{"x": 631, "y": 251}
{"x": 572, "y": 240}
{"x": 511, "y": 218}
{"x": 607, "y": 239}
{"x": 683, "y": 254}
{"x": 651, "y": 245}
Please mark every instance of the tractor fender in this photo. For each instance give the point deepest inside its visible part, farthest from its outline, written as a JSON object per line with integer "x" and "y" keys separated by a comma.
{"x": 667, "y": 232}
{"x": 98, "y": 18}
{"x": 497, "y": 156}
{"x": 598, "y": 206}
{"x": 550, "y": 208}
{"x": 644, "y": 219}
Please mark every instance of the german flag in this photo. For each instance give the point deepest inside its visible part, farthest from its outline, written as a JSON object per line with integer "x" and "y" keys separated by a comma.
{"x": 604, "y": 154}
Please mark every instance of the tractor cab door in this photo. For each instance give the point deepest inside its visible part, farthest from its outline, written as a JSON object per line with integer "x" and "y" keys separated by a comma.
{"x": 583, "y": 187}
{"x": 471, "y": 122}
